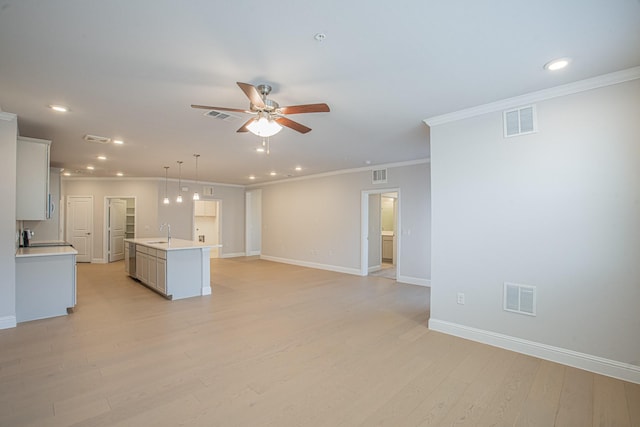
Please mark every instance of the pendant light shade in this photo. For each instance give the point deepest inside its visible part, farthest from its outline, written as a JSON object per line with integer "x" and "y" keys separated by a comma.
{"x": 166, "y": 178}
{"x": 179, "y": 198}
{"x": 196, "y": 196}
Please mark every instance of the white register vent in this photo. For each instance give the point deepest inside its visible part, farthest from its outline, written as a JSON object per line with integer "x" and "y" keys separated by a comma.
{"x": 520, "y": 121}
{"x": 520, "y": 298}
{"x": 379, "y": 176}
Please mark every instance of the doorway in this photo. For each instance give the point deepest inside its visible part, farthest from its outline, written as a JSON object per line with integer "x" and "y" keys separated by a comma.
{"x": 119, "y": 224}
{"x": 380, "y": 233}
{"x": 206, "y": 223}
{"x": 80, "y": 226}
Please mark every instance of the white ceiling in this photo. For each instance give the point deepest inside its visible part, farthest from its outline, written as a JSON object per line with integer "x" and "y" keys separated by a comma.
{"x": 131, "y": 69}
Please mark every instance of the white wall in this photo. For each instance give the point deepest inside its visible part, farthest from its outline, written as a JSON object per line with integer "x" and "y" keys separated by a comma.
{"x": 559, "y": 209}
{"x": 150, "y": 212}
{"x": 316, "y": 221}
{"x": 144, "y": 190}
{"x": 8, "y": 135}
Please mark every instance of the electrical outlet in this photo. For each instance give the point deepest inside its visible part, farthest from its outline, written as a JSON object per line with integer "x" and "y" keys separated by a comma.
{"x": 460, "y": 298}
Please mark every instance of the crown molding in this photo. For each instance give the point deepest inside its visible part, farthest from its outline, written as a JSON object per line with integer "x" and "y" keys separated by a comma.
{"x": 341, "y": 172}
{"x": 145, "y": 178}
{"x": 541, "y": 95}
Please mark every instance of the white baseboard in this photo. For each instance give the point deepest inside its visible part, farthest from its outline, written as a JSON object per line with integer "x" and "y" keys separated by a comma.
{"x": 599, "y": 365}
{"x": 98, "y": 261}
{"x": 206, "y": 290}
{"x": 375, "y": 268}
{"x": 7, "y": 322}
{"x": 309, "y": 264}
{"x": 233, "y": 255}
{"x": 413, "y": 280}
{"x": 253, "y": 253}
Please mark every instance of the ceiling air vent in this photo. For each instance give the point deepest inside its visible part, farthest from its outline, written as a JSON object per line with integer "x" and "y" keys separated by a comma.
{"x": 380, "y": 176}
{"x": 221, "y": 116}
{"x": 520, "y": 121}
{"x": 95, "y": 138}
{"x": 520, "y": 298}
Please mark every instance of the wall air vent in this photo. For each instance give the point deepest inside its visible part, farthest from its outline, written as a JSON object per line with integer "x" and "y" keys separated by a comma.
{"x": 520, "y": 121}
{"x": 221, "y": 116}
{"x": 520, "y": 298}
{"x": 379, "y": 176}
{"x": 98, "y": 139}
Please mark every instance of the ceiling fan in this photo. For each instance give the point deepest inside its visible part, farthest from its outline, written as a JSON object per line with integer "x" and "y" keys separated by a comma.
{"x": 269, "y": 116}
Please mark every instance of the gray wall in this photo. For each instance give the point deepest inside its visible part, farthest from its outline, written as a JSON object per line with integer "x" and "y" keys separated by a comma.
{"x": 150, "y": 212}
{"x": 559, "y": 209}
{"x": 317, "y": 221}
{"x": 8, "y": 135}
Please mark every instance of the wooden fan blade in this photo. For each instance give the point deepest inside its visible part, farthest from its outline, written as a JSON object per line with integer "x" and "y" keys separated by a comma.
{"x": 253, "y": 94}
{"x": 208, "y": 107}
{"x": 243, "y": 128}
{"x": 308, "y": 108}
{"x": 293, "y": 125}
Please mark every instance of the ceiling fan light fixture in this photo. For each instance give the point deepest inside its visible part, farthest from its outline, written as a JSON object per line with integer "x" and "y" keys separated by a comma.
{"x": 264, "y": 127}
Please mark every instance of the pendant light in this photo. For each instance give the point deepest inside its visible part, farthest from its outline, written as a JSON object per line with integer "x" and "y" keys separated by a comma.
{"x": 179, "y": 198}
{"x": 166, "y": 178}
{"x": 196, "y": 196}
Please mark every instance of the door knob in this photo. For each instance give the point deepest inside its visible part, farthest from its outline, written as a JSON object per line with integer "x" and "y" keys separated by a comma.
{"x": 88, "y": 234}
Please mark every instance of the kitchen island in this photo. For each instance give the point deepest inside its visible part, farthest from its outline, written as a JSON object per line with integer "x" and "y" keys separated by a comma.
{"x": 174, "y": 268}
{"x": 45, "y": 282}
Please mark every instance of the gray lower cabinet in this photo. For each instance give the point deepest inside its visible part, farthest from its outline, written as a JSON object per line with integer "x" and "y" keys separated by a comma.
{"x": 151, "y": 268}
{"x": 45, "y": 286}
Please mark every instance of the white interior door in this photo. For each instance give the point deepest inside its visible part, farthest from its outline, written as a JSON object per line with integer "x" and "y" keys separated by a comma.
{"x": 80, "y": 226}
{"x": 117, "y": 224}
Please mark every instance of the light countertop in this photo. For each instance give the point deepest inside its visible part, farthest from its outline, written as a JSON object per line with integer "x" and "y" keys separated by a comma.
{"x": 45, "y": 251}
{"x": 175, "y": 244}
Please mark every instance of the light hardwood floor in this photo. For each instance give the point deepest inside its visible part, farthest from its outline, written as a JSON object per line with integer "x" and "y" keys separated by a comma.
{"x": 280, "y": 345}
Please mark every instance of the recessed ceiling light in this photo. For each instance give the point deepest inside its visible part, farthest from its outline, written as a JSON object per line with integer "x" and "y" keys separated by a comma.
{"x": 119, "y": 174}
{"x": 260, "y": 150}
{"x": 118, "y": 141}
{"x": 252, "y": 177}
{"x": 102, "y": 158}
{"x": 320, "y": 37}
{"x": 59, "y": 108}
{"x": 273, "y": 173}
{"x": 90, "y": 167}
{"x": 298, "y": 168}
{"x": 557, "y": 64}
{"x": 67, "y": 174}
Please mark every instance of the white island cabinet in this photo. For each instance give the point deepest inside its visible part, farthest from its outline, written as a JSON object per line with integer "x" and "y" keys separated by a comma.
{"x": 179, "y": 269}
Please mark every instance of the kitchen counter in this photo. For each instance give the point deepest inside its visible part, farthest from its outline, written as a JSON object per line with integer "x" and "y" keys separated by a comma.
{"x": 174, "y": 245}
{"x": 176, "y": 270}
{"x": 45, "y": 251}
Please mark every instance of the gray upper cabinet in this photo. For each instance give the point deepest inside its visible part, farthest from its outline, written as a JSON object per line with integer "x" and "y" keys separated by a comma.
{"x": 32, "y": 179}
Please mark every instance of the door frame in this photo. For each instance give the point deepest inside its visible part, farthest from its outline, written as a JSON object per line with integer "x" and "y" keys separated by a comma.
{"x": 253, "y": 225}
{"x": 68, "y": 229}
{"x": 194, "y": 236}
{"x": 105, "y": 223}
{"x": 364, "y": 228}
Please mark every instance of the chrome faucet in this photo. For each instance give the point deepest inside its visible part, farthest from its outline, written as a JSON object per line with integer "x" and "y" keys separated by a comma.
{"x": 168, "y": 230}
